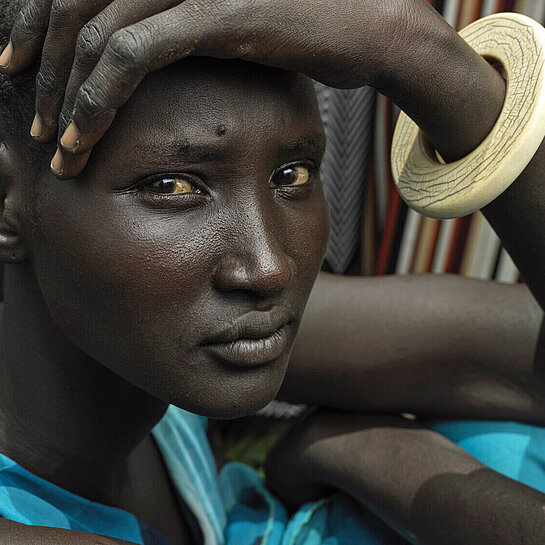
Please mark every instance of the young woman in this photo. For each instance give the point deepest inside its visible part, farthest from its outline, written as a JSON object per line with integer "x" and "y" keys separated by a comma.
{"x": 174, "y": 270}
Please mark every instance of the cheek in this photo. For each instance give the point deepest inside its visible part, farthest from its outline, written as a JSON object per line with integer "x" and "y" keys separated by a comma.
{"x": 133, "y": 289}
{"x": 309, "y": 235}
{"x": 122, "y": 284}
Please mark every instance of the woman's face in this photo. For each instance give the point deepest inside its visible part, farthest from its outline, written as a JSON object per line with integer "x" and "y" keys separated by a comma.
{"x": 183, "y": 257}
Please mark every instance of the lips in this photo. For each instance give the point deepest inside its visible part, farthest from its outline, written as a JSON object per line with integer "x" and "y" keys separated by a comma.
{"x": 253, "y": 339}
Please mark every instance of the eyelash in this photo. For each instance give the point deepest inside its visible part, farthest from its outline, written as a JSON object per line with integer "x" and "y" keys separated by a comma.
{"x": 310, "y": 167}
{"x": 201, "y": 186}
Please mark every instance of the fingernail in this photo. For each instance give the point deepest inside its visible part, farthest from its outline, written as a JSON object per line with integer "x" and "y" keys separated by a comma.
{"x": 70, "y": 138}
{"x": 37, "y": 128}
{"x": 5, "y": 57}
{"x": 57, "y": 163}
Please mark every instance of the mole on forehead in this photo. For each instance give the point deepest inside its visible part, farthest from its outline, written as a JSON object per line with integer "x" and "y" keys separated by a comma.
{"x": 221, "y": 129}
{"x": 184, "y": 146}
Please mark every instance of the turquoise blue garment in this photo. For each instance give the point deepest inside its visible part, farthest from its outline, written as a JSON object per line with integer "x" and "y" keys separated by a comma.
{"x": 513, "y": 449}
{"x": 234, "y": 508}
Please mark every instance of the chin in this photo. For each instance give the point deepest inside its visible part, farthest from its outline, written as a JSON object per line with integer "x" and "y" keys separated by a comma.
{"x": 235, "y": 395}
{"x": 225, "y": 409}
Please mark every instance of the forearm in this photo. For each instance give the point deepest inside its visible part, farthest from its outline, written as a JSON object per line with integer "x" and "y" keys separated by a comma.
{"x": 518, "y": 217}
{"x": 456, "y": 346}
{"x": 455, "y": 98}
{"x": 444, "y": 109}
{"x": 452, "y": 93}
{"x": 426, "y": 488}
{"x": 432, "y": 492}
{"x": 436, "y": 345}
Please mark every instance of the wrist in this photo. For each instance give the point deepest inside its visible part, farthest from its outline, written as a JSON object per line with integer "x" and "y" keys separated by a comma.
{"x": 452, "y": 93}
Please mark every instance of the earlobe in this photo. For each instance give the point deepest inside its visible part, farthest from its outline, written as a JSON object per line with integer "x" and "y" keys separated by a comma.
{"x": 12, "y": 247}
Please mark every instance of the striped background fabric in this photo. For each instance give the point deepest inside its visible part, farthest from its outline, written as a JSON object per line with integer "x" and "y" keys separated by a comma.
{"x": 348, "y": 117}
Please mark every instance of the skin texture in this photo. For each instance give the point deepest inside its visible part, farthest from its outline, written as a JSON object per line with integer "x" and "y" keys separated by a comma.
{"x": 254, "y": 267}
{"x": 447, "y": 496}
{"x": 240, "y": 261}
{"x": 392, "y": 45}
{"x": 444, "y": 346}
{"x": 109, "y": 312}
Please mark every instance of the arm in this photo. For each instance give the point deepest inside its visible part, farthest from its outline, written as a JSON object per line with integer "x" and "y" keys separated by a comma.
{"x": 518, "y": 217}
{"x": 425, "y": 487}
{"x": 436, "y": 345}
{"x": 12, "y": 533}
{"x": 394, "y": 46}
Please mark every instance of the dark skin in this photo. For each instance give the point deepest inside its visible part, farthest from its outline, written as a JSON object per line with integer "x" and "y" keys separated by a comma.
{"x": 91, "y": 46}
{"x": 202, "y": 260}
{"x": 442, "y": 61}
{"x": 367, "y": 60}
{"x": 443, "y": 346}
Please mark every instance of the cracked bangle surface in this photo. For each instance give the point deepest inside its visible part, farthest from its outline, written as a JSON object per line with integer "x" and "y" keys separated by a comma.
{"x": 459, "y": 188}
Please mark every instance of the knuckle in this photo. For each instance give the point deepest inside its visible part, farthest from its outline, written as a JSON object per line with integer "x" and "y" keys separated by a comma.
{"x": 46, "y": 82}
{"x": 64, "y": 118}
{"x": 88, "y": 101}
{"x": 127, "y": 45}
{"x": 91, "y": 42}
{"x": 29, "y": 21}
{"x": 62, "y": 7}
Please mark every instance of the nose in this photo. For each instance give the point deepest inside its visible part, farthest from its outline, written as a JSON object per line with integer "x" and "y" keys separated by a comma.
{"x": 257, "y": 264}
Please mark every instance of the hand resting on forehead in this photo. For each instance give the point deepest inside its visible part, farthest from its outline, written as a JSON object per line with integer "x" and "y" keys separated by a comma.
{"x": 175, "y": 267}
{"x": 95, "y": 53}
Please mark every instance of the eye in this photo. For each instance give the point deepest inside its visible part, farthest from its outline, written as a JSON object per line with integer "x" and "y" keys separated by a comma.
{"x": 171, "y": 186}
{"x": 291, "y": 176}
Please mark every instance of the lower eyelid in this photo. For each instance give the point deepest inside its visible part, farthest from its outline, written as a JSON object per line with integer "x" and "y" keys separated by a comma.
{"x": 171, "y": 203}
{"x": 295, "y": 193}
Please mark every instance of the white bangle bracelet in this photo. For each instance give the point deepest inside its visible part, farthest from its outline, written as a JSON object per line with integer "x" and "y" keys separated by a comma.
{"x": 459, "y": 188}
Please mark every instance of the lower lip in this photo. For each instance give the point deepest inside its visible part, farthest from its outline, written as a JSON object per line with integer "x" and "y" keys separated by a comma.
{"x": 252, "y": 352}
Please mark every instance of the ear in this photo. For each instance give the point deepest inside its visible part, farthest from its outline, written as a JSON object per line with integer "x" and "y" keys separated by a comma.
{"x": 12, "y": 247}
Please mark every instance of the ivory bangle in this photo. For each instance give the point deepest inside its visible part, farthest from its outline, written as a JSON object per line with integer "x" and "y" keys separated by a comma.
{"x": 459, "y": 188}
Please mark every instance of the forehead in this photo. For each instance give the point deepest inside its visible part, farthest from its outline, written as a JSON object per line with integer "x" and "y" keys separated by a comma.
{"x": 200, "y": 99}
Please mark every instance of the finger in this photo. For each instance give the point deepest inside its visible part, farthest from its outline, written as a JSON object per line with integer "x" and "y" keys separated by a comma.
{"x": 91, "y": 43}
{"x": 129, "y": 55}
{"x": 66, "y": 20}
{"x": 27, "y": 37}
{"x": 77, "y": 163}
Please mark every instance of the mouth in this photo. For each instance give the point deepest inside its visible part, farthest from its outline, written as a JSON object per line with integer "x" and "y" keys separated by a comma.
{"x": 254, "y": 339}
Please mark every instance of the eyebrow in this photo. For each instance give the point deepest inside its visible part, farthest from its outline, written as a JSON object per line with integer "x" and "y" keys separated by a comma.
{"x": 206, "y": 152}
{"x": 314, "y": 144}
{"x": 209, "y": 152}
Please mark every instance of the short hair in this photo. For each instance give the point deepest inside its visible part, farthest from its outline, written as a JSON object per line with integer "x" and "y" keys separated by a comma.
{"x": 16, "y": 92}
{"x": 17, "y": 97}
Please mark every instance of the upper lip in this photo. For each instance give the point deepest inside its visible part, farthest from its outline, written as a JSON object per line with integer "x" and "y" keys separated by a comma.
{"x": 256, "y": 324}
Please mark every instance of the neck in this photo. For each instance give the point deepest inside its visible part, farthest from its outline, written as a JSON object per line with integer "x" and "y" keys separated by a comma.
{"x": 64, "y": 416}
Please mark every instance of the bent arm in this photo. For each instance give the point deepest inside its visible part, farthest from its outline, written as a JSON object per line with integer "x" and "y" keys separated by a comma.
{"x": 468, "y": 348}
{"x": 424, "y": 486}
{"x": 436, "y": 345}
